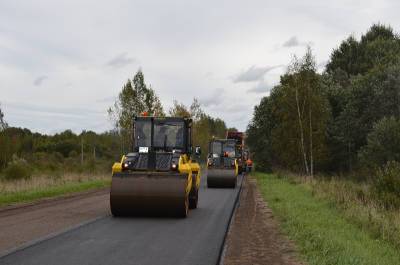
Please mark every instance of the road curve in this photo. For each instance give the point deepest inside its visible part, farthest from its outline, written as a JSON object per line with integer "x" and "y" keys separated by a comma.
{"x": 197, "y": 239}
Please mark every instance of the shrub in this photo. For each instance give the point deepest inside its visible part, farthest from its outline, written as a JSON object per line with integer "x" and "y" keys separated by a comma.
{"x": 90, "y": 165}
{"x": 17, "y": 169}
{"x": 73, "y": 153}
{"x": 387, "y": 185}
{"x": 383, "y": 144}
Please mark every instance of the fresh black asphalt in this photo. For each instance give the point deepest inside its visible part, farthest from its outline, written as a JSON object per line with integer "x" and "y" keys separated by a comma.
{"x": 195, "y": 240}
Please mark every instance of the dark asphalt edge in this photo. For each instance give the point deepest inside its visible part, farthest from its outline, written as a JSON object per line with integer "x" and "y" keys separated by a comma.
{"x": 222, "y": 251}
{"x": 47, "y": 237}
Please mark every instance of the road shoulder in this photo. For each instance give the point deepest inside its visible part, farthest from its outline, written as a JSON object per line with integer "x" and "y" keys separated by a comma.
{"x": 254, "y": 236}
{"x": 21, "y": 224}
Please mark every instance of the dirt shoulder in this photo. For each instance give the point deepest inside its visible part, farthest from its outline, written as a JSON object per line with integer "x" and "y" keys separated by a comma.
{"x": 21, "y": 224}
{"x": 254, "y": 236}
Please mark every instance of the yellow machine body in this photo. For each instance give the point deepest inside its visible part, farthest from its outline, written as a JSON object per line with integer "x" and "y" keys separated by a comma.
{"x": 158, "y": 189}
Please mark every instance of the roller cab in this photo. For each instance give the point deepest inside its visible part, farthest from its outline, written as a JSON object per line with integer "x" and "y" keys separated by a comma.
{"x": 222, "y": 165}
{"x": 158, "y": 178}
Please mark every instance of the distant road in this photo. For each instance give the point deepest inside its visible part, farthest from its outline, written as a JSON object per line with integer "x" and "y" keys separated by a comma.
{"x": 196, "y": 240}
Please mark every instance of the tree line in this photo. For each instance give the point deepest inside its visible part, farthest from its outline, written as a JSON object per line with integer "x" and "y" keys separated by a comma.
{"x": 137, "y": 97}
{"x": 344, "y": 121}
{"x": 24, "y": 153}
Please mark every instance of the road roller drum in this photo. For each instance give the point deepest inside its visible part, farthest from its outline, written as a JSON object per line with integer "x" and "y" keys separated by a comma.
{"x": 150, "y": 194}
{"x": 221, "y": 178}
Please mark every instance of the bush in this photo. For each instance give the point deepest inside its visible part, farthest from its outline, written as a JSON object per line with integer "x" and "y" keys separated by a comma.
{"x": 387, "y": 185}
{"x": 17, "y": 169}
{"x": 73, "y": 153}
{"x": 383, "y": 144}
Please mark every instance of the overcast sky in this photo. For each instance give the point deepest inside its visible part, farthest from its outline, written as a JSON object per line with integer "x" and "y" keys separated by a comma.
{"x": 62, "y": 63}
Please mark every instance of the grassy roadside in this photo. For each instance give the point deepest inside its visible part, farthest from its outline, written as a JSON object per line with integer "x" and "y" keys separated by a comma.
{"x": 323, "y": 235}
{"x": 56, "y": 189}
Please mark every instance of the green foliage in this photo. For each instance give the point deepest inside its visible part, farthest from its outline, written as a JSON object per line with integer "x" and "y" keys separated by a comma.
{"x": 205, "y": 127}
{"x": 288, "y": 128}
{"x": 361, "y": 86}
{"x": 378, "y": 47}
{"x": 52, "y": 191}
{"x": 259, "y": 133}
{"x": 17, "y": 169}
{"x": 322, "y": 234}
{"x": 383, "y": 144}
{"x": 179, "y": 110}
{"x": 59, "y": 152}
{"x": 387, "y": 185}
{"x": 134, "y": 99}
{"x": 371, "y": 97}
{"x": 194, "y": 111}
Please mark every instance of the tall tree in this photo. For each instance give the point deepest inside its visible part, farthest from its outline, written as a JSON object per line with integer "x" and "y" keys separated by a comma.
{"x": 289, "y": 126}
{"x": 134, "y": 99}
{"x": 179, "y": 110}
{"x": 204, "y": 126}
{"x": 194, "y": 111}
{"x": 302, "y": 100}
{"x": 379, "y": 46}
{"x": 259, "y": 131}
{"x": 3, "y": 123}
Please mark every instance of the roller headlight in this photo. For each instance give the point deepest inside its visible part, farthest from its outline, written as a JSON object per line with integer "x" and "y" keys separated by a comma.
{"x": 125, "y": 165}
{"x": 174, "y": 165}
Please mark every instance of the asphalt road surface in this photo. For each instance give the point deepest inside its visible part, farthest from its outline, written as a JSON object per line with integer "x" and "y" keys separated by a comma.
{"x": 197, "y": 239}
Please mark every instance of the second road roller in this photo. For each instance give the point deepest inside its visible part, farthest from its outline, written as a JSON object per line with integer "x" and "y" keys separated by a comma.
{"x": 222, "y": 165}
{"x": 159, "y": 177}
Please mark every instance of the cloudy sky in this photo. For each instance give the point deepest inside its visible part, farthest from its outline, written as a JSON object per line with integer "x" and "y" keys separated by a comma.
{"x": 62, "y": 63}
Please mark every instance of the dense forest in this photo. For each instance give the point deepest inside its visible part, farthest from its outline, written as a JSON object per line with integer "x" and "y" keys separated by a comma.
{"x": 344, "y": 121}
{"x": 24, "y": 154}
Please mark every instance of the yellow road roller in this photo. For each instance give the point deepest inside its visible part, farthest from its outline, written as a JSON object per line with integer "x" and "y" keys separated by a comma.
{"x": 222, "y": 165}
{"x": 159, "y": 177}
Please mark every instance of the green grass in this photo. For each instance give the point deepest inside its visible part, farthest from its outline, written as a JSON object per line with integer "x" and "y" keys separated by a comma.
{"x": 321, "y": 233}
{"x": 53, "y": 191}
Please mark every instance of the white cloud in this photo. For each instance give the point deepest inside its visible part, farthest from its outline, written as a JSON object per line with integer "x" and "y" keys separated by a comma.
{"x": 294, "y": 42}
{"x": 213, "y": 99}
{"x": 121, "y": 60}
{"x": 262, "y": 87}
{"x": 39, "y": 80}
{"x": 88, "y": 49}
{"x": 254, "y": 73}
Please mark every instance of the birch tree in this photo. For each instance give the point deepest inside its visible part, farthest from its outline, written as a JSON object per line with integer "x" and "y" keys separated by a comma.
{"x": 3, "y": 123}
